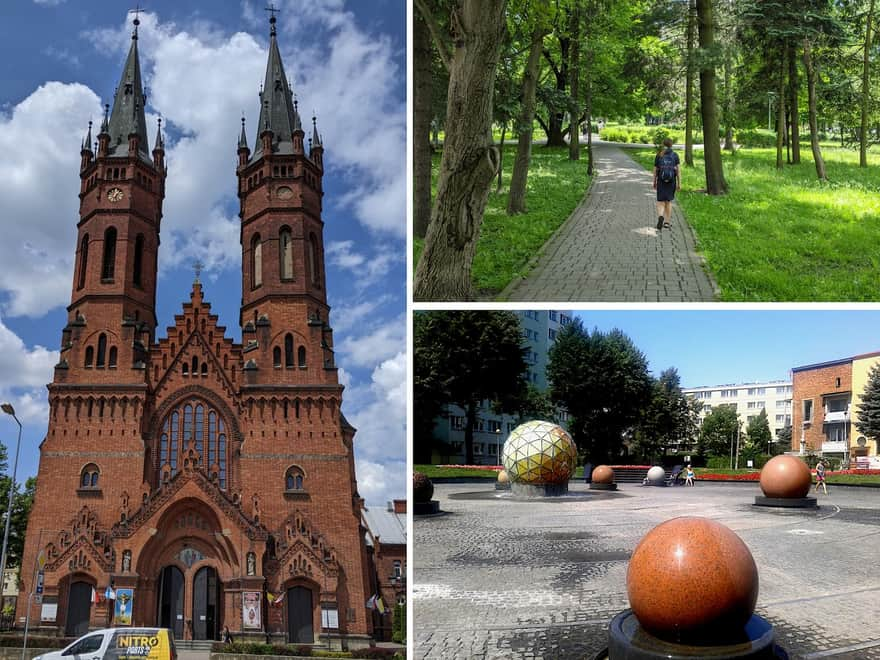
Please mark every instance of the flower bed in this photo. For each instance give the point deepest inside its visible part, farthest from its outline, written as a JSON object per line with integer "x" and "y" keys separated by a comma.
{"x": 473, "y": 467}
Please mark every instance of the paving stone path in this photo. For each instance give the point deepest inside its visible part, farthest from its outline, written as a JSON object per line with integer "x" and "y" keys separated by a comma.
{"x": 609, "y": 249}
{"x": 498, "y": 578}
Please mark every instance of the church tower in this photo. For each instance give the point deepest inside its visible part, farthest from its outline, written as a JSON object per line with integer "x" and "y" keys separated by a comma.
{"x": 112, "y": 312}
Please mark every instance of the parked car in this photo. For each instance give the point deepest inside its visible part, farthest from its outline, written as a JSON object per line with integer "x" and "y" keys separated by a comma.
{"x": 119, "y": 644}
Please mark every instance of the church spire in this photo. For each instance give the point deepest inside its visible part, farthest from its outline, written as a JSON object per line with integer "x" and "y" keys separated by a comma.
{"x": 127, "y": 117}
{"x": 277, "y": 112}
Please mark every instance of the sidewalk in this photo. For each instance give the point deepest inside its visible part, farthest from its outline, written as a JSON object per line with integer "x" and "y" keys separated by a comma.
{"x": 609, "y": 249}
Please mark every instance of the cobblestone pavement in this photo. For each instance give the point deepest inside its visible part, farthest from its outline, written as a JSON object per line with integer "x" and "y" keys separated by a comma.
{"x": 501, "y": 578}
{"x": 610, "y": 250}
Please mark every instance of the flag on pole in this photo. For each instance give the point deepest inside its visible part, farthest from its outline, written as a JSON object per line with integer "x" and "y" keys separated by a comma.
{"x": 380, "y": 605}
{"x": 278, "y": 599}
{"x": 110, "y": 594}
{"x": 371, "y": 603}
{"x": 95, "y": 597}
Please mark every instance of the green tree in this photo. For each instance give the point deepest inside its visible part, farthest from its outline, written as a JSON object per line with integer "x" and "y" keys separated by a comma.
{"x": 718, "y": 432}
{"x": 468, "y": 357}
{"x": 758, "y": 436}
{"x": 602, "y": 380}
{"x": 668, "y": 418}
{"x": 782, "y": 443}
{"x": 868, "y": 423}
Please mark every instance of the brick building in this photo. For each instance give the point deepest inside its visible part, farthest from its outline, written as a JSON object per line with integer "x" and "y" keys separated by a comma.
{"x": 821, "y": 406}
{"x": 201, "y": 478}
{"x": 386, "y": 545}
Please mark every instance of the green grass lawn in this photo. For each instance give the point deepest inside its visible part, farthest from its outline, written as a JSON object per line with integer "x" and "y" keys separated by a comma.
{"x": 783, "y": 236}
{"x": 555, "y": 187}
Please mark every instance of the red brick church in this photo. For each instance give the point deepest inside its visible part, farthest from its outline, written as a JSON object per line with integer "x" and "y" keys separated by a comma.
{"x": 210, "y": 483}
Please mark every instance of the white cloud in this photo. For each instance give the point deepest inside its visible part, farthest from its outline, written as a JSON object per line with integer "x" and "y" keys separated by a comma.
{"x": 24, "y": 373}
{"x": 367, "y": 269}
{"x": 379, "y": 344}
{"x": 39, "y": 191}
{"x": 49, "y": 3}
{"x": 378, "y": 411}
{"x": 350, "y": 316}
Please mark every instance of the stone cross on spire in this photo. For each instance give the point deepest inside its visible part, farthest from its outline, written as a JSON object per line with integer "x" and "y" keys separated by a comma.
{"x": 137, "y": 21}
{"x": 197, "y": 267}
{"x": 272, "y": 9}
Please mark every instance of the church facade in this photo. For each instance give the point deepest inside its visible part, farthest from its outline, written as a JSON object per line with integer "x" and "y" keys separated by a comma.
{"x": 189, "y": 481}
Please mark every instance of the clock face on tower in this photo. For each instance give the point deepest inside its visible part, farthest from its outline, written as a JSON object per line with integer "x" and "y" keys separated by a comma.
{"x": 114, "y": 194}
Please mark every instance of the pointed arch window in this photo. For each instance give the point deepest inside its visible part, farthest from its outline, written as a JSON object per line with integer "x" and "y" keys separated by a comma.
{"x": 276, "y": 356}
{"x": 112, "y": 360}
{"x": 313, "y": 259}
{"x": 108, "y": 265}
{"x": 293, "y": 479}
{"x": 256, "y": 262}
{"x": 83, "y": 261}
{"x": 285, "y": 246}
{"x": 102, "y": 351}
{"x": 138, "y": 260}
{"x": 301, "y": 357}
{"x": 288, "y": 350}
{"x": 90, "y": 356}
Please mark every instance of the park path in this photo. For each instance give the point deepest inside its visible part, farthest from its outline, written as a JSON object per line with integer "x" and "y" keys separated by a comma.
{"x": 610, "y": 250}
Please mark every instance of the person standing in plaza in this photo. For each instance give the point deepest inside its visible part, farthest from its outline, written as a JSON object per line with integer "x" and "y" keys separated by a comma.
{"x": 689, "y": 476}
{"x": 667, "y": 179}
{"x": 820, "y": 477}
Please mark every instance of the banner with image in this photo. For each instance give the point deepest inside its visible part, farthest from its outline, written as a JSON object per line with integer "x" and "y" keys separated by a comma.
{"x": 250, "y": 609}
{"x": 124, "y": 603}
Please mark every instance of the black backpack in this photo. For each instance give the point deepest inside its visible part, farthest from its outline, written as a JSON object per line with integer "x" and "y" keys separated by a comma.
{"x": 667, "y": 167}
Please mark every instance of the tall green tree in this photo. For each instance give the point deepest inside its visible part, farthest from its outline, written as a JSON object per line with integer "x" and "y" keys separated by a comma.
{"x": 758, "y": 435}
{"x": 718, "y": 432}
{"x": 868, "y": 423}
{"x": 602, "y": 379}
{"x": 468, "y": 357}
{"x": 715, "y": 182}
{"x": 668, "y": 419}
{"x": 782, "y": 443}
{"x": 469, "y": 160}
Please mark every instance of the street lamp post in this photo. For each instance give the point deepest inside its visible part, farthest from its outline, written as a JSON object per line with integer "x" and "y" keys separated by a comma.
{"x": 9, "y": 410}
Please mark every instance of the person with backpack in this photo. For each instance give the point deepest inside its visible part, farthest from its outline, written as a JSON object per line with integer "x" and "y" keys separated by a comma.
{"x": 667, "y": 179}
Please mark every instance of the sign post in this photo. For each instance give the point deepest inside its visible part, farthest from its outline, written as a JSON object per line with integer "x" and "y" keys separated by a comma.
{"x": 36, "y": 587}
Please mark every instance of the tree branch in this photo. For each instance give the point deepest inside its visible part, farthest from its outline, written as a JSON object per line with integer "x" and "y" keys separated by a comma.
{"x": 436, "y": 33}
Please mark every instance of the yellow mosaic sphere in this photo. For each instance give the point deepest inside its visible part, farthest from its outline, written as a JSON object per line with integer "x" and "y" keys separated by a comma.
{"x": 539, "y": 453}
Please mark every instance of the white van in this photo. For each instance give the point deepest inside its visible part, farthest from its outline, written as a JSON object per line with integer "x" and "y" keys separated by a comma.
{"x": 119, "y": 644}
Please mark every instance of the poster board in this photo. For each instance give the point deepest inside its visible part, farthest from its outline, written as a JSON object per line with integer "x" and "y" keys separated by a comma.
{"x": 49, "y": 609}
{"x": 123, "y": 607}
{"x": 250, "y": 609}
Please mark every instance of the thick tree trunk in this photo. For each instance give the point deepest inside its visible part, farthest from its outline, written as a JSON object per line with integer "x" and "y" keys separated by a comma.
{"x": 810, "y": 71}
{"x": 501, "y": 156}
{"x": 689, "y": 86}
{"x": 470, "y": 420}
{"x": 516, "y": 198}
{"x": 555, "y": 120}
{"x": 574, "y": 71}
{"x": 469, "y": 161}
{"x": 715, "y": 183}
{"x": 421, "y": 126}
{"x": 780, "y": 111}
{"x": 793, "y": 89}
{"x": 866, "y": 91}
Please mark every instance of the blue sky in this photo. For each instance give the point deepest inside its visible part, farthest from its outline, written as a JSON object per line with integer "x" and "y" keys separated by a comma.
{"x": 203, "y": 63}
{"x": 714, "y": 347}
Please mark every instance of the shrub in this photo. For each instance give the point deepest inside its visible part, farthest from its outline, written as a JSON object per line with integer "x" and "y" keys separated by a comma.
{"x": 398, "y": 633}
{"x": 15, "y": 641}
{"x": 718, "y": 463}
{"x": 755, "y": 137}
{"x": 614, "y": 134}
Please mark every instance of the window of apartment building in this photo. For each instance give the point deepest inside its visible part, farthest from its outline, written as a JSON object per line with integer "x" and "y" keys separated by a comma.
{"x": 756, "y": 391}
{"x": 494, "y": 426}
{"x": 551, "y": 333}
{"x": 732, "y": 406}
{"x": 456, "y": 422}
{"x": 707, "y": 408}
{"x": 780, "y": 419}
{"x": 837, "y": 382}
{"x": 478, "y": 449}
{"x": 783, "y": 403}
{"x": 457, "y": 447}
{"x": 510, "y": 427}
{"x": 554, "y": 316}
{"x": 479, "y": 424}
{"x": 835, "y": 432}
{"x": 728, "y": 393}
{"x": 564, "y": 320}
{"x": 784, "y": 390}
{"x": 756, "y": 405}
{"x": 493, "y": 449}
{"x": 836, "y": 404}
{"x": 808, "y": 410}
{"x": 749, "y": 418}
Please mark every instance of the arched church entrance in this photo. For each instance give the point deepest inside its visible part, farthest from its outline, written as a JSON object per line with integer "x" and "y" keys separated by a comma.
{"x": 300, "y": 610}
{"x": 171, "y": 589}
{"x": 206, "y": 598}
{"x": 79, "y": 607}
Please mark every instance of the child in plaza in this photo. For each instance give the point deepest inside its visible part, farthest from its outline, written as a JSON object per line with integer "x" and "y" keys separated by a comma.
{"x": 689, "y": 476}
{"x": 820, "y": 477}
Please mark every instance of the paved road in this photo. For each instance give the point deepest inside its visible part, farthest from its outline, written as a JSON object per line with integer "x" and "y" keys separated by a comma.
{"x": 499, "y": 578}
{"x": 609, "y": 249}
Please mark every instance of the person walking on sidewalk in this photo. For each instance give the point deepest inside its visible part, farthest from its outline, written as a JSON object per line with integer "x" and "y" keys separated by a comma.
{"x": 667, "y": 179}
{"x": 820, "y": 477}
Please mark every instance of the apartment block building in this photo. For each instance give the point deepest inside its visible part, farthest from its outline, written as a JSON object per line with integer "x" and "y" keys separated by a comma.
{"x": 749, "y": 399}
{"x": 539, "y": 331}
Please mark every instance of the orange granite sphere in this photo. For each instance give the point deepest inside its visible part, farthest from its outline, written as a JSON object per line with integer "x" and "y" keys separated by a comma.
{"x": 502, "y": 477}
{"x": 690, "y": 578}
{"x": 603, "y": 475}
{"x": 785, "y": 476}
